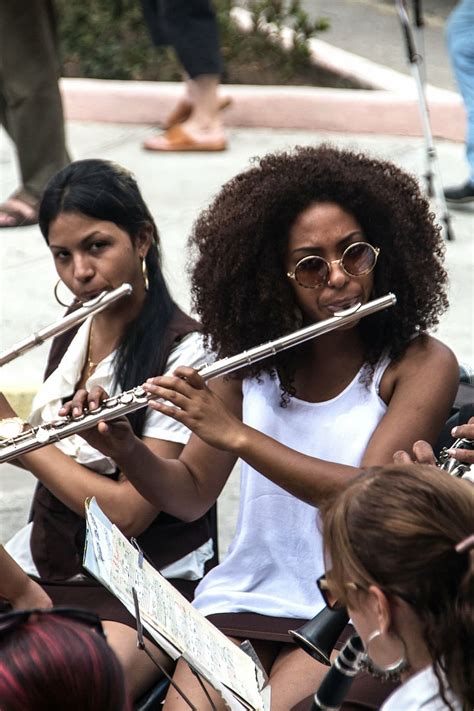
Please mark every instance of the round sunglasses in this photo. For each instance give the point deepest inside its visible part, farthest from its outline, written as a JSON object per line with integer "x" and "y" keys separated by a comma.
{"x": 357, "y": 260}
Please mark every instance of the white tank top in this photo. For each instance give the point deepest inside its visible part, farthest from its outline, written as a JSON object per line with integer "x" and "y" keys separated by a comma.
{"x": 276, "y": 554}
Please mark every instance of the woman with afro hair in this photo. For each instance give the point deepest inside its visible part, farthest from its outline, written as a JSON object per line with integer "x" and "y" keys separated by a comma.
{"x": 291, "y": 241}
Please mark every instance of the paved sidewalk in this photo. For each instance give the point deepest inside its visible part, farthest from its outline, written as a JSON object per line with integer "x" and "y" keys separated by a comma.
{"x": 371, "y": 29}
{"x": 177, "y": 187}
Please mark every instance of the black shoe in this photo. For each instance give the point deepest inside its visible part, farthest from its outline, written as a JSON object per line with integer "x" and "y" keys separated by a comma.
{"x": 464, "y": 193}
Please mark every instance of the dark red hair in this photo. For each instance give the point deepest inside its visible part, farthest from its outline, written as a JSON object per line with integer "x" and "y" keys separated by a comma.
{"x": 50, "y": 663}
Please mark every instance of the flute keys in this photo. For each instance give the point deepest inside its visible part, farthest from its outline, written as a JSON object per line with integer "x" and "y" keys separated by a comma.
{"x": 126, "y": 398}
{"x": 42, "y": 435}
{"x": 140, "y": 394}
{"x": 11, "y": 427}
{"x": 111, "y": 402}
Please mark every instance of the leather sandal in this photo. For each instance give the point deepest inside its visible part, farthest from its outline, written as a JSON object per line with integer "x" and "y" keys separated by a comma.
{"x": 21, "y": 208}
{"x": 175, "y": 139}
{"x": 184, "y": 107}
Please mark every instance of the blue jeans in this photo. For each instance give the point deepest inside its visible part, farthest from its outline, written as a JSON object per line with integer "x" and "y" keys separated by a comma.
{"x": 460, "y": 40}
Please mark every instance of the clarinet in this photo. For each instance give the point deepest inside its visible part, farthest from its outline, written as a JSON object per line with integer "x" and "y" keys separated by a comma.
{"x": 136, "y": 398}
{"x": 67, "y": 322}
{"x": 450, "y": 464}
{"x": 337, "y": 682}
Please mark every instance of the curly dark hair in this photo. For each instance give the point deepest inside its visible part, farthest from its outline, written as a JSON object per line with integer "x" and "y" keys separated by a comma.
{"x": 239, "y": 284}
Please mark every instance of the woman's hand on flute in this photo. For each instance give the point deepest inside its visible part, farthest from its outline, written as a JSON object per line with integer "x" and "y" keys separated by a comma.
{"x": 186, "y": 397}
{"x": 113, "y": 438}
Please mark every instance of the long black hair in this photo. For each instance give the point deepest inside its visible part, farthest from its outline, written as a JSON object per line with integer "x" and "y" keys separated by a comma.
{"x": 106, "y": 191}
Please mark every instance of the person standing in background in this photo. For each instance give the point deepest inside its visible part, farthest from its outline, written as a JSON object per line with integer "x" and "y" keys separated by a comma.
{"x": 190, "y": 27}
{"x": 460, "y": 40}
{"x": 30, "y": 103}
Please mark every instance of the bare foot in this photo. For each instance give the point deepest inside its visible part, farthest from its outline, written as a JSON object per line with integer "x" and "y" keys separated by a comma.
{"x": 18, "y": 212}
{"x": 184, "y": 108}
{"x": 180, "y": 138}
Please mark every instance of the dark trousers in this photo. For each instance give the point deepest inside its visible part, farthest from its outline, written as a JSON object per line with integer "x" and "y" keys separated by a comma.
{"x": 190, "y": 27}
{"x": 30, "y": 102}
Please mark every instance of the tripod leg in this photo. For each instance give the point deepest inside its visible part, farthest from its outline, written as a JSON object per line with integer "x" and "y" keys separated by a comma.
{"x": 432, "y": 175}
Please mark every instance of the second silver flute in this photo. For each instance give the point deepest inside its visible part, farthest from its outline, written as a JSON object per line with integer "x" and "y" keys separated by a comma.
{"x": 66, "y": 322}
{"x": 136, "y": 398}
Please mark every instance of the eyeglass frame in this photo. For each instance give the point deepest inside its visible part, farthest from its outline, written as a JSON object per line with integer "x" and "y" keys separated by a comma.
{"x": 12, "y": 619}
{"x": 323, "y": 587}
{"x": 339, "y": 262}
{"x": 337, "y": 605}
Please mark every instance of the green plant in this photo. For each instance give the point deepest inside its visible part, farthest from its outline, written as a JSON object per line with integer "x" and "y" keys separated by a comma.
{"x": 109, "y": 39}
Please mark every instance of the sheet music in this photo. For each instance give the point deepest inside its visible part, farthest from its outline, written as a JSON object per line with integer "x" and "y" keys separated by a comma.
{"x": 177, "y": 626}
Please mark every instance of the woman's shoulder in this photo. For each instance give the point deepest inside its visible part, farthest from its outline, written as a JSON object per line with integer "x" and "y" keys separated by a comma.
{"x": 426, "y": 360}
{"x": 428, "y": 351}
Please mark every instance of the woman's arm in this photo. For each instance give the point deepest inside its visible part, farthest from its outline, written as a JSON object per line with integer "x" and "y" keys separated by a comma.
{"x": 72, "y": 483}
{"x": 419, "y": 390}
{"x": 16, "y": 587}
{"x": 186, "y": 487}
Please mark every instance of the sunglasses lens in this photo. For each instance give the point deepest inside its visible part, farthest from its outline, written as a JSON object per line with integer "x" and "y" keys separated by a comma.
{"x": 311, "y": 272}
{"x": 359, "y": 259}
{"x": 323, "y": 587}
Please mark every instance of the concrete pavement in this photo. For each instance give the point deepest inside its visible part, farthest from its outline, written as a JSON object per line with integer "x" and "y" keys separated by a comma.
{"x": 371, "y": 29}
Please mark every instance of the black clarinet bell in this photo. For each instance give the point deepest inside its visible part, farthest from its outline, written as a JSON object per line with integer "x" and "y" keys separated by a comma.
{"x": 318, "y": 636}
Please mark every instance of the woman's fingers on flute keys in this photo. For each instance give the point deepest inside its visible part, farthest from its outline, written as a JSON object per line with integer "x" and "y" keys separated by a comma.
{"x": 82, "y": 400}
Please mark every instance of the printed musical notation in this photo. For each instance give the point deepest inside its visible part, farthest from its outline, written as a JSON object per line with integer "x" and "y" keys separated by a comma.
{"x": 176, "y": 626}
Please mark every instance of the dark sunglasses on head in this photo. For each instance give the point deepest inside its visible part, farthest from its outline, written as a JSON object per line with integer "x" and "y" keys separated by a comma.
{"x": 334, "y": 604}
{"x": 10, "y": 620}
{"x": 357, "y": 260}
{"x": 330, "y": 600}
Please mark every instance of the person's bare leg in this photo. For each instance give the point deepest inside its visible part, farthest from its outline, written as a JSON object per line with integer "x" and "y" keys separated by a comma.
{"x": 294, "y": 676}
{"x": 204, "y": 117}
{"x": 140, "y": 672}
{"x": 202, "y": 129}
{"x": 187, "y": 682}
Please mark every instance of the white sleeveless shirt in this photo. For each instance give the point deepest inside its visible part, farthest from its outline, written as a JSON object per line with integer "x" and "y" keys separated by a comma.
{"x": 276, "y": 554}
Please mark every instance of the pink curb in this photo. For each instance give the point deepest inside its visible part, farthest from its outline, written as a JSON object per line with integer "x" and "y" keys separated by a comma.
{"x": 388, "y": 104}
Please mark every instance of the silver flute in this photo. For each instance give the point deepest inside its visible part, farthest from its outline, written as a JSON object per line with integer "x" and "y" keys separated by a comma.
{"x": 64, "y": 324}
{"x": 137, "y": 397}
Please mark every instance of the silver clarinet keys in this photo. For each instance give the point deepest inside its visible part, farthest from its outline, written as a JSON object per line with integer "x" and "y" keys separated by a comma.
{"x": 450, "y": 464}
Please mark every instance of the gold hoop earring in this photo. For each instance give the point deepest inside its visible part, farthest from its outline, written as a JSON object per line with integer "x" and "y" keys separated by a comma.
{"x": 61, "y": 303}
{"x": 145, "y": 274}
{"x": 389, "y": 672}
